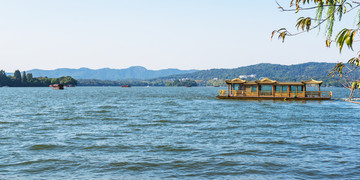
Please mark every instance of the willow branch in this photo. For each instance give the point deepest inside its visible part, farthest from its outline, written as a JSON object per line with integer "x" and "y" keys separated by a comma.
{"x": 353, "y": 8}
{"x": 302, "y": 9}
{"x": 330, "y": 15}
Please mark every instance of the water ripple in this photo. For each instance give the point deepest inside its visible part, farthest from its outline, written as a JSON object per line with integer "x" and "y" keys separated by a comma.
{"x": 175, "y": 133}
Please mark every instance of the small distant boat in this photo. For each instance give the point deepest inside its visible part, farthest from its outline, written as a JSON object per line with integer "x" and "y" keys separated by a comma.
{"x": 187, "y": 86}
{"x": 216, "y": 86}
{"x": 125, "y": 86}
{"x": 147, "y": 86}
{"x": 58, "y": 86}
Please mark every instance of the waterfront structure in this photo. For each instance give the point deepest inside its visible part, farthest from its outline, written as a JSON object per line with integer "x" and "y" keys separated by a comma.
{"x": 273, "y": 90}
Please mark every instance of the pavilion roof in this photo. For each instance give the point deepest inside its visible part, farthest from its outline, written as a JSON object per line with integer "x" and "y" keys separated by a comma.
{"x": 266, "y": 81}
{"x": 236, "y": 81}
{"x": 312, "y": 81}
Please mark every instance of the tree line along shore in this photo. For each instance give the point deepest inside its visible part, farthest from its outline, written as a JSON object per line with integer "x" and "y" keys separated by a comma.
{"x": 27, "y": 80}
{"x": 215, "y": 77}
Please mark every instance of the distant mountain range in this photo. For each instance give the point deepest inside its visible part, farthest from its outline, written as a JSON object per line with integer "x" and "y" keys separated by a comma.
{"x": 297, "y": 72}
{"x": 276, "y": 71}
{"x": 131, "y": 73}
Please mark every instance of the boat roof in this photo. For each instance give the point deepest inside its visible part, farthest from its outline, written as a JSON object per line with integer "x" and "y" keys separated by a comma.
{"x": 267, "y": 81}
{"x": 312, "y": 81}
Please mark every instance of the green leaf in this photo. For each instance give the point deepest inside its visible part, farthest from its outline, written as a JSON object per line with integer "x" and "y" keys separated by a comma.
{"x": 354, "y": 85}
{"x": 345, "y": 36}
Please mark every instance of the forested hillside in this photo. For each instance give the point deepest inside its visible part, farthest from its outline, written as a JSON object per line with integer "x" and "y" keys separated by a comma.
{"x": 298, "y": 72}
{"x": 305, "y": 70}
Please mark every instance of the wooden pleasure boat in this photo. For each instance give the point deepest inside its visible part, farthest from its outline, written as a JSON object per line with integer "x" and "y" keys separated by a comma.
{"x": 268, "y": 89}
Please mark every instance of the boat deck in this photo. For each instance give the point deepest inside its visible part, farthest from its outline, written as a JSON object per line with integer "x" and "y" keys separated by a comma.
{"x": 272, "y": 98}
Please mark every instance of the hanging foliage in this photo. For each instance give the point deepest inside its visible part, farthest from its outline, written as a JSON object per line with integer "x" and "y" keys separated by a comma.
{"x": 327, "y": 13}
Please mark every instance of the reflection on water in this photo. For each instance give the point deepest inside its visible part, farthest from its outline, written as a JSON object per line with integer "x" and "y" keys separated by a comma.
{"x": 159, "y": 132}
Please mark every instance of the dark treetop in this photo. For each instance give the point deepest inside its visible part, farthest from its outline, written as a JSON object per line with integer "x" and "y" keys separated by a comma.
{"x": 27, "y": 80}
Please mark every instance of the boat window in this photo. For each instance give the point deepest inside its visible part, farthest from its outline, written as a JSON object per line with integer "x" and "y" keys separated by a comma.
{"x": 300, "y": 88}
{"x": 267, "y": 88}
{"x": 293, "y": 88}
{"x": 236, "y": 86}
{"x": 253, "y": 88}
{"x": 284, "y": 88}
{"x": 278, "y": 88}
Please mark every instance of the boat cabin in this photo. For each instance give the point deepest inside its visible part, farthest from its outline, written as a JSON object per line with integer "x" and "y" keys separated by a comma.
{"x": 271, "y": 89}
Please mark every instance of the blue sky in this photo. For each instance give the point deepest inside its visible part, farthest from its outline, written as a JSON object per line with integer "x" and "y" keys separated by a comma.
{"x": 156, "y": 34}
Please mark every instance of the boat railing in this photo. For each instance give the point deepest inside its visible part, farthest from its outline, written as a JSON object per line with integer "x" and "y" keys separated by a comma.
{"x": 321, "y": 94}
{"x": 282, "y": 94}
{"x": 232, "y": 93}
{"x": 223, "y": 92}
{"x": 310, "y": 94}
{"x": 266, "y": 93}
{"x": 237, "y": 93}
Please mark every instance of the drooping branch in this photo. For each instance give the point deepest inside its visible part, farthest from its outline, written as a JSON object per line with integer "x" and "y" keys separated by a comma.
{"x": 283, "y": 32}
{"x": 302, "y": 8}
{"x": 335, "y": 9}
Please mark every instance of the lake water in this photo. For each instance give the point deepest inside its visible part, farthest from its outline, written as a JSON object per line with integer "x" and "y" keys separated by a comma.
{"x": 174, "y": 132}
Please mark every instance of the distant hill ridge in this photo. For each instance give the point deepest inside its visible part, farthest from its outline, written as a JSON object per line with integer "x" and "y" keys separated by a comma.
{"x": 296, "y": 72}
{"x": 133, "y": 73}
{"x": 276, "y": 71}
